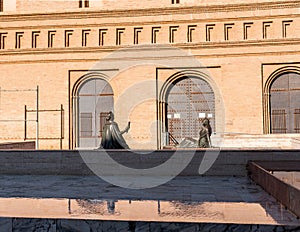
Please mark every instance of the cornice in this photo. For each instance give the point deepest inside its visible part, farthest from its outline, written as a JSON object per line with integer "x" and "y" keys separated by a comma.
{"x": 212, "y": 55}
{"x": 202, "y": 45}
{"x": 150, "y": 11}
{"x": 146, "y": 23}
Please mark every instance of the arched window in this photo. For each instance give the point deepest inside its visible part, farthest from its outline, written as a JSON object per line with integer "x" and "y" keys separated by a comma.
{"x": 95, "y": 100}
{"x": 189, "y": 100}
{"x": 285, "y": 103}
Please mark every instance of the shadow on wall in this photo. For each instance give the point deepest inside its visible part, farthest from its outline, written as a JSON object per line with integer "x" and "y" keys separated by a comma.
{"x": 18, "y": 146}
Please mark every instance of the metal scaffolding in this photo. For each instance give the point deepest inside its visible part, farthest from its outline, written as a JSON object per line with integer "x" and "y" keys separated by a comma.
{"x": 60, "y": 138}
{"x": 34, "y": 114}
{"x": 37, "y": 110}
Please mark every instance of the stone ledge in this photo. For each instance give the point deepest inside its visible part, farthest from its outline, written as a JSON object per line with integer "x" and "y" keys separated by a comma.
{"x": 229, "y": 162}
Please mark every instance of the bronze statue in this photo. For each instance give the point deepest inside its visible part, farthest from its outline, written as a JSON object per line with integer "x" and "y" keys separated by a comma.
{"x": 112, "y": 136}
{"x": 204, "y": 134}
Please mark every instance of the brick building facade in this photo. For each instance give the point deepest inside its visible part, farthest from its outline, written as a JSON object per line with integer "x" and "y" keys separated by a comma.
{"x": 163, "y": 65}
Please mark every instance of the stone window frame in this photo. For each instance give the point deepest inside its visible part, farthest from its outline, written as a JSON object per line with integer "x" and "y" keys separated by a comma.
{"x": 197, "y": 72}
{"x": 287, "y": 68}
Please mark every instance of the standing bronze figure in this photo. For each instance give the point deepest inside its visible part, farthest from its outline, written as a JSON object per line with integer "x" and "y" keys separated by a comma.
{"x": 204, "y": 134}
{"x": 112, "y": 136}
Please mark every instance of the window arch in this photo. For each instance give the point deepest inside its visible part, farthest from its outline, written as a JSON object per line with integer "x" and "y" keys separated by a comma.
{"x": 185, "y": 100}
{"x": 284, "y": 95}
{"x": 94, "y": 99}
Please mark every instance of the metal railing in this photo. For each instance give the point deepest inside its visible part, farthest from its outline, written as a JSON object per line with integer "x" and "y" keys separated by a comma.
{"x": 286, "y": 194}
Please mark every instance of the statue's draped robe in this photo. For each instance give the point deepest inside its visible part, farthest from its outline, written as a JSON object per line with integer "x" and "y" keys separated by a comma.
{"x": 203, "y": 138}
{"x": 112, "y": 137}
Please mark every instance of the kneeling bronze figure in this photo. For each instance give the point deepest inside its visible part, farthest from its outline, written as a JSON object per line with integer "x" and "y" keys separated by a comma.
{"x": 112, "y": 136}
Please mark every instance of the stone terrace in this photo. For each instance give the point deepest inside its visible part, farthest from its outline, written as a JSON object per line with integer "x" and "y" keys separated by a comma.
{"x": 56, "y": 189}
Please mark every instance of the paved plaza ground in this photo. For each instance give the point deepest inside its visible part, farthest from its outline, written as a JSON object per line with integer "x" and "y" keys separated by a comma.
{"x": 184, "y": 199}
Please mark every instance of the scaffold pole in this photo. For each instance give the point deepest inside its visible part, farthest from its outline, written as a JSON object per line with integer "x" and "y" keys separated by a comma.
{"x": 37, "y": 118}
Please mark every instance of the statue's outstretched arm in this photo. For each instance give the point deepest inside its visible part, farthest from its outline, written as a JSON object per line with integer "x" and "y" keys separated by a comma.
{"x": 126, "y": 129}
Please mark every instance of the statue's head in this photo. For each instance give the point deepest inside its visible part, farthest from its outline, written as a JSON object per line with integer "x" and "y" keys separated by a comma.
{"x": 110, "y": 116}
{"x": 205, "y": 121}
